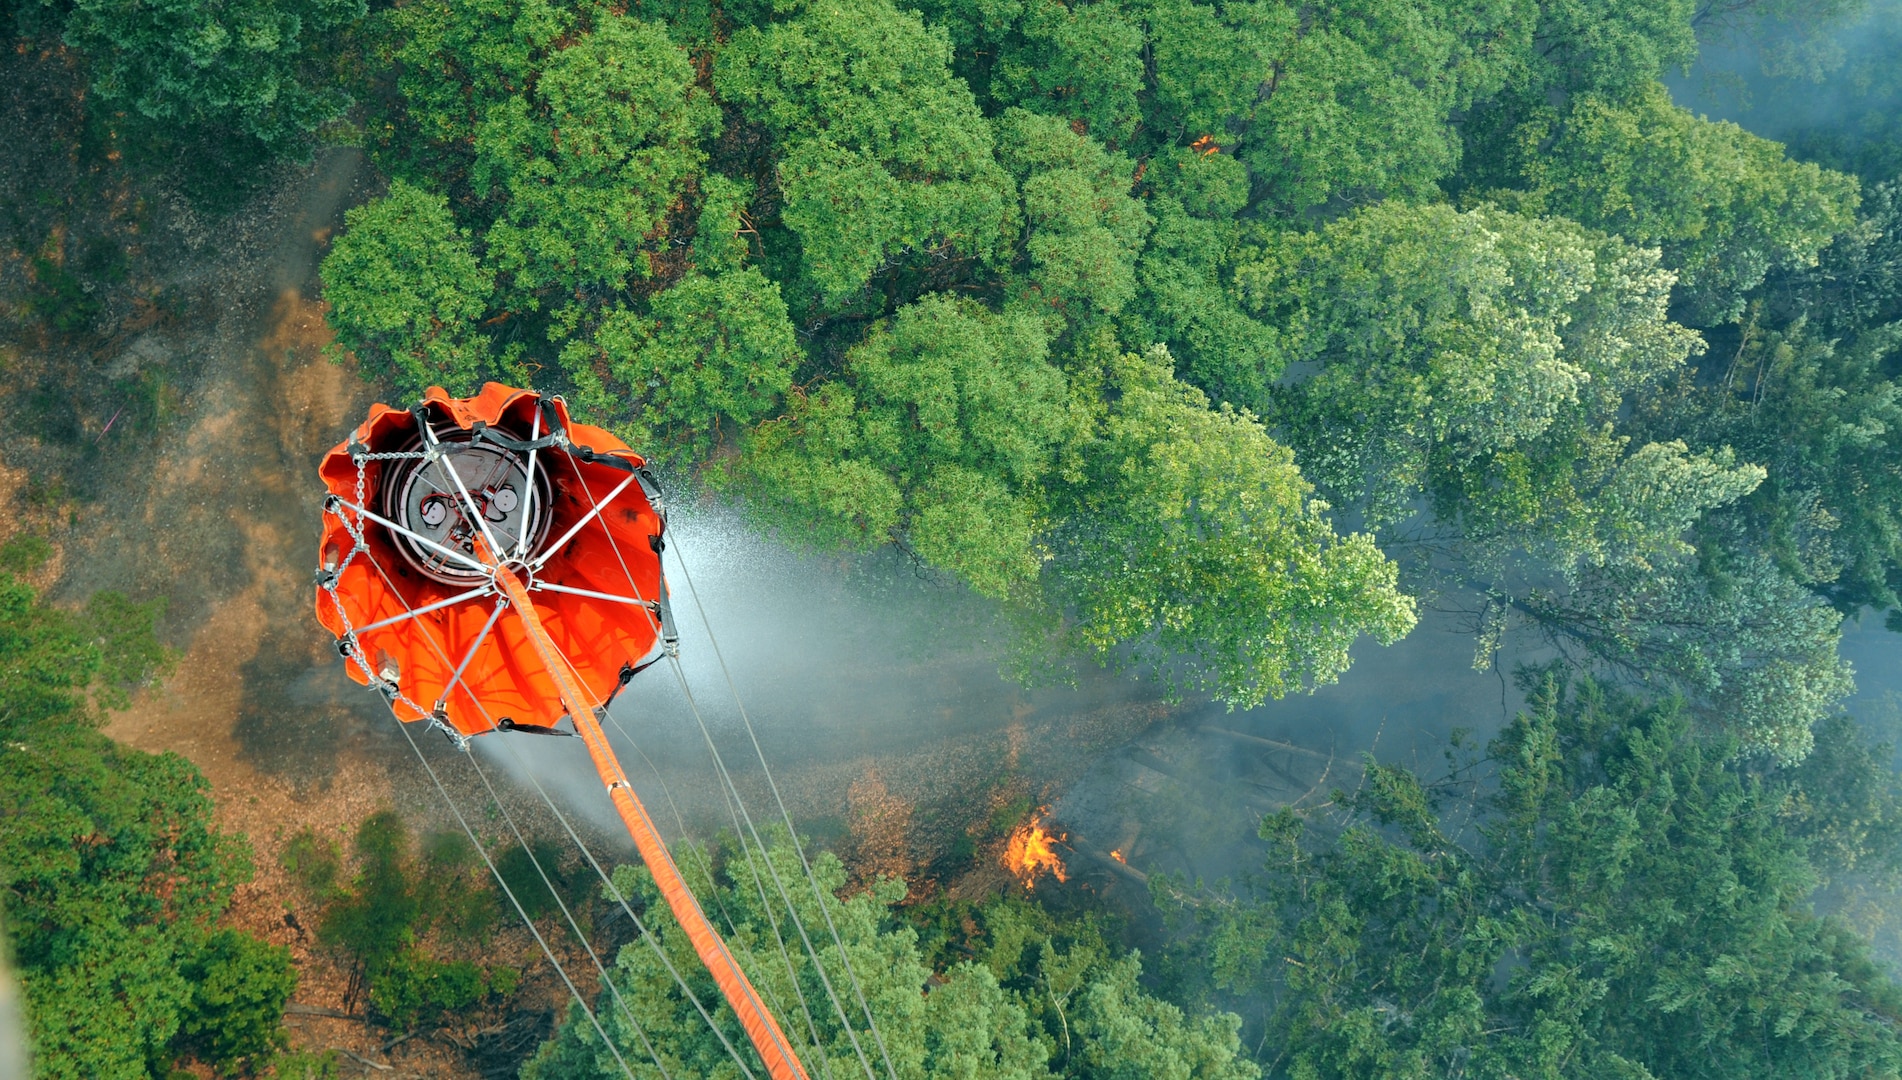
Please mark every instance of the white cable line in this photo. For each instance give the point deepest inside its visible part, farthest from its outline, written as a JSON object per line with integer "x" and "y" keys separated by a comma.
{"x": 730, "y": 798}
{"x": 550, "y": 586}
{"x": 726, "y": 778}
{"x": 460, "y": 557}
{"x": 596, "y": 510}
{"x": 740, "y": 833}
{"x": 441, "y": 652}
{"x": 652, "y": 942}
{"x": 619, "y": 898}
{"x": 706, "y": 868}
{"x": 766, "y": 905}
{"x": 411, "y": 613}
{"x": 455, "y": 476}
{"x": 438, "y": 649}
{"x": 500, "y": 604}
{"x": 517, "y": 904}
{"x": 786, "y": 817}
{"x": 613, "y": 988}
{"x": 357, "y": 655}
{"x": 523, "y": 534}
{"x": 552, "y": 549}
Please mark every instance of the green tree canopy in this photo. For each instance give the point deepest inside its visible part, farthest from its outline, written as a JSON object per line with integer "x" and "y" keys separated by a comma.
{"x": 1634, "y": 905}
{"x": 248, "y": 67}
{"x": 1230, "y": 568}
{"x": 939, "y": 435}
{"x": 1035, "y": 1000}
{"x": 405, "y": 288}
{"x": 1481, "y": 359}
{"x": 1726, "y": 206}
{"x": 884, "y": 156}
{"x": 112, "y": 875}
{"x": 860, "y": 265}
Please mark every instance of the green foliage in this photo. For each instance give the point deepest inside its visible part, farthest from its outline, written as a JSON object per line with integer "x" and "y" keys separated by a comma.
{"x": 1726, "y": 206}
{"x": 1844, "y": 803}
{"x": 590, "y": 161}
{"x": 1186, "y": 298}
{"x": 1082, "y": 229}
{"x": 397, "y": 905}
{"x": 1755, "y": 649}
{"x": 24, "y": 552}
{"x": 1481, "y": 359}
{"x": 58, "y": 298}
{"x": 884, "y": 157}
{"x": 1807, "y": 389}
{"x": 404, "y": 289}
{"x": 251, "y": 68}
{"x": 1610, "y": 45}
{"x": 1225, "y": 563}
{"x": 860, "y": 267}
{"x": 315, "y": 866}
{"x": 111, "y": 873}
{"x": 938, "y": 436}
{"x": 708, "y": 358}
{"x": 1863, "y": 134}
{"x": 1039, "y": 998}
{"x": 1637, "y": 908}
{"x": 239, "y": 987}
{"x": 1328, "y": 100}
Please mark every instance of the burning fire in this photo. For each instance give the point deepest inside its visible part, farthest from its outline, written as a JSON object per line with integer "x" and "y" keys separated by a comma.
{"x": 1118, "y": 856}
{"x": 1032, "y": 851}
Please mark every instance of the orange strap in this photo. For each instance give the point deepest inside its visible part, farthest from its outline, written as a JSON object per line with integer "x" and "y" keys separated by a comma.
{"x": 761, "y": 1028}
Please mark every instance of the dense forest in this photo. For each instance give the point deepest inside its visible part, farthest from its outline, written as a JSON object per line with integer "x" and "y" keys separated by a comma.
{"x": 1200, "y": 339}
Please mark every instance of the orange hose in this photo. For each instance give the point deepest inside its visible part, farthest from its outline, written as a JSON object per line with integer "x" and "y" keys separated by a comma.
{"x": 761, "y": 1028}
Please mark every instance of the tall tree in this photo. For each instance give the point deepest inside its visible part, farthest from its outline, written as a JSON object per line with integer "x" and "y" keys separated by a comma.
{"x": 1634, "y": 906}
{"x": 111, "y": 873}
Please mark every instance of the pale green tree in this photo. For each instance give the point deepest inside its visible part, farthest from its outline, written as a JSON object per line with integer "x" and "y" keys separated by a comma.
{"x": 1189, "y": 539}
{"x": 1726, "y": 206}
{"x": 1472, "y": 358}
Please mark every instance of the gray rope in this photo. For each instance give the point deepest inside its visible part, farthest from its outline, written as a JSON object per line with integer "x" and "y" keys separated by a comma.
{"x": 786, "y": 817}
{"x": 741, "y": 833}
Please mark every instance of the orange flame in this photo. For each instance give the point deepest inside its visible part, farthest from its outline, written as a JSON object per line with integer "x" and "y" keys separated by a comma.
{"x": 1032, "y": 851}
{"x": 1206, "y": 145}
{"x": 1118, "y": 856}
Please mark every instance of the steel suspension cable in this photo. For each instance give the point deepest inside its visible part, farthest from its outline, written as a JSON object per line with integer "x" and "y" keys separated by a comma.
{"x": 395, "y": 693}
{"x": 442, "y": 653}
{"x": 640, "y": 925}
{"x": 519, "y": 910}
{"x": 818, "y": 964}
{"x": 727, "y": 780}
{"x": 574, "y": 674}
{"x": 581, "y": 704}
{"x": 574, "y": 926}
{"x": 786, "y": 817}
{"x": 825, "y": 1061}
